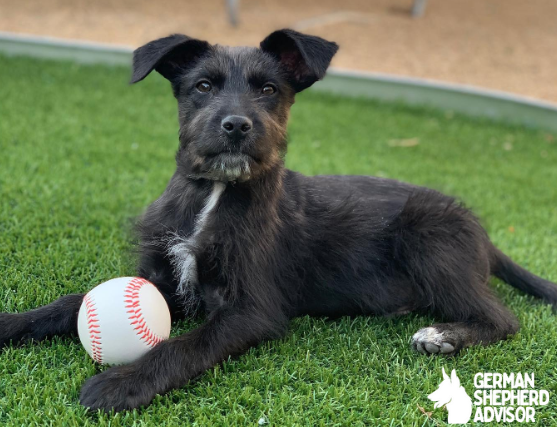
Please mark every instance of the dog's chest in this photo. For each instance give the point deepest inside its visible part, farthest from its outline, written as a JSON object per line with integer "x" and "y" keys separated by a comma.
{"x": 181, "y": 249}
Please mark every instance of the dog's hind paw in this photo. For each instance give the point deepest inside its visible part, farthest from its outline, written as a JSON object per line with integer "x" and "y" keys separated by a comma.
{"x": 430, "y": 340}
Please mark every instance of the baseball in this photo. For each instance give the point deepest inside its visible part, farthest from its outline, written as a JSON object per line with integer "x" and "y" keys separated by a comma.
{"x": 122, "y": 319}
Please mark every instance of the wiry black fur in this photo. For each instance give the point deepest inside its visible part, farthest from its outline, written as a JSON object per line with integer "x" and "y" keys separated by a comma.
{"x": 279, "y": 244}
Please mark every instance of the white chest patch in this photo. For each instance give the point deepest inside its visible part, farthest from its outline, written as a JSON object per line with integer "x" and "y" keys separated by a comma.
{"x": 180, "y": 249}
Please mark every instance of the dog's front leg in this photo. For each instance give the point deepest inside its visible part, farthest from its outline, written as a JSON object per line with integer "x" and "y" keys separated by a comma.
{"x": 56, "y": 318}
{"x": 173, "y": 363}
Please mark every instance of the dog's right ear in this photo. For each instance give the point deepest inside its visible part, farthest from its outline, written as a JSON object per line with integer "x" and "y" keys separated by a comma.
{"x": 170, "y": 56}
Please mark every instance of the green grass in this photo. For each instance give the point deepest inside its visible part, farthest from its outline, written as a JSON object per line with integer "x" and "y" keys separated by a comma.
{"x": 82, "y": 153}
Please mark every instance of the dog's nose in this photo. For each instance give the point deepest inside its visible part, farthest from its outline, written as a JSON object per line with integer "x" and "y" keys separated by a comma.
{"x": 236, "y": 126}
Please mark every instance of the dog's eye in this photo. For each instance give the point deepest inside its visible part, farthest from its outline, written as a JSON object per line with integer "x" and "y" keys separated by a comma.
{"x": 268, "y": 89}
{"x": 204, "y": 86}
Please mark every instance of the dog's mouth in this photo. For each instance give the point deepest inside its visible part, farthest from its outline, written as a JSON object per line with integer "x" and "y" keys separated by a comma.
{"x": 230, "y": 155}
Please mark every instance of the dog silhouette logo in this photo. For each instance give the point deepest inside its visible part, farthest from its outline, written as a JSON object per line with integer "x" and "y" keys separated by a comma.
{"x": 453, "y": 396}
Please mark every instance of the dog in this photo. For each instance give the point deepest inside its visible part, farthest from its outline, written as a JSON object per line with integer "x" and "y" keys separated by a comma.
{"x": 251, "y": 244}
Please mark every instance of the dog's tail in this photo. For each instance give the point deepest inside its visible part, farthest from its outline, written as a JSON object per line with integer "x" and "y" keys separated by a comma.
{"x": 507, "y": 270}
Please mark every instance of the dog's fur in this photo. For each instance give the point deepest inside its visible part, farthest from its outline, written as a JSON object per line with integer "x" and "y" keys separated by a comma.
{"x": 251, "y": 244}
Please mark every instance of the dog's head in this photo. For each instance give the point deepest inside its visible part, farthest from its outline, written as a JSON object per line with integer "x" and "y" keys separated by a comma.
{"x": 233, "y": 102}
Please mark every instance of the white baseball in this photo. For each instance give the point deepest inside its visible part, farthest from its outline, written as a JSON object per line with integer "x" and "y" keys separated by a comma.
{"x": 122, "y": 319}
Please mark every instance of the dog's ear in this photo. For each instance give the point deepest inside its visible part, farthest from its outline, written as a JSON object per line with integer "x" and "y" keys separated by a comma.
{"x": 305, "y": 58}
{"x": 169, "y": 56}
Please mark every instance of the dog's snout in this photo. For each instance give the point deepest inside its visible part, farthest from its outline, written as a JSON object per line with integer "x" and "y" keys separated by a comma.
{"x": 236, "y": 126}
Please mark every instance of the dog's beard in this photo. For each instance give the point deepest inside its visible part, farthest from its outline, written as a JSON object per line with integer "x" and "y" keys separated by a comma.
{"x": 229, "y": 167}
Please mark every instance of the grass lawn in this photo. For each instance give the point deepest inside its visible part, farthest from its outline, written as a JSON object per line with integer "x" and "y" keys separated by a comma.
{"x": 82, "y": 153}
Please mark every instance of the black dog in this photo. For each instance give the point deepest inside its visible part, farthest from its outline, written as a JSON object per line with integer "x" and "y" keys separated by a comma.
{"x": 252, "y": 244}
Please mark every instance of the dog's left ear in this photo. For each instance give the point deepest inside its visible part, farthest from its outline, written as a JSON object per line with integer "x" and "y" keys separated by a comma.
{"x": 305, "y": 58}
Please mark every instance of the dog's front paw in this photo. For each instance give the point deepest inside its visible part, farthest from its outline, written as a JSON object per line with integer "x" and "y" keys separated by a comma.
{"x": 433, "y": 341}
{"x": 12, "y": 327}
{"x": 117, "y": 388}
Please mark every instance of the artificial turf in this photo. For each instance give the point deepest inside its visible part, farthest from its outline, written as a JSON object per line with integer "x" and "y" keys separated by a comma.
{"x": 82, "y": 153}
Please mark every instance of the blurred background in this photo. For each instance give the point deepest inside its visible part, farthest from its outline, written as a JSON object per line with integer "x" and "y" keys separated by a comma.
{"x": 508, "y": 45}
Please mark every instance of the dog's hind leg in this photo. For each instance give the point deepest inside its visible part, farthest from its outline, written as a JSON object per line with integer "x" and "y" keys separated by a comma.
{"x": 447, "y": 257}
{"x": 57, "y": 318}
{"x": 494, "y": 324}
{"x": 454, "y": 286}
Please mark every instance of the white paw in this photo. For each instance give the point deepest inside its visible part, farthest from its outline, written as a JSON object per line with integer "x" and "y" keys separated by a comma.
{"x": 431, "y": 341}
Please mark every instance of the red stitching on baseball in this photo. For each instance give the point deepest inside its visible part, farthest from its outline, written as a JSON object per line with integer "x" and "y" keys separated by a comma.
{"x": 94, "y": 329}
{"x": 131, "y": 295}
